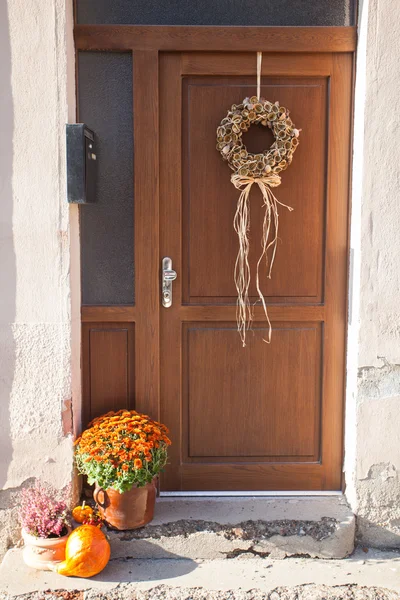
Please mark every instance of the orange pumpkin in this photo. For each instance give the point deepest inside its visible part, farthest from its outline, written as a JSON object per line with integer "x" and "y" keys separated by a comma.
{"x": 81, "y": 513}
{"x": 86, "y": 554}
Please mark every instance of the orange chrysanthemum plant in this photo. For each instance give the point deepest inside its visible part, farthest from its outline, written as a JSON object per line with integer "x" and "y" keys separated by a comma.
{"x": 122, "y": 449}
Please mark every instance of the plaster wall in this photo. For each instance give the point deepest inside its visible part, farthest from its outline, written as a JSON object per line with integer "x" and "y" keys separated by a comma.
{"x": 373, "y": 406}
{"x": 35, "y": 290}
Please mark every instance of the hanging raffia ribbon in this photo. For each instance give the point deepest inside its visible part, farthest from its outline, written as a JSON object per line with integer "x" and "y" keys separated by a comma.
{"x": 241, "y": 224}
{"x": 263, "y": 170}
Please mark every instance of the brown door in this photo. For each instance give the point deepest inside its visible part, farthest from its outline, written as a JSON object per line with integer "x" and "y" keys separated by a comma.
{"x": 267, "y": 416}
{"x": 263, "y": 417}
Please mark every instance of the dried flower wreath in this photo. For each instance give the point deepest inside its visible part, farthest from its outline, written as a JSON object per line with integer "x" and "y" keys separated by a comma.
{"x": 262, "y": 169}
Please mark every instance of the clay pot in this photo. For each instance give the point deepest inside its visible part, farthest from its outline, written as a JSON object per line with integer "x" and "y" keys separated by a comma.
{"x": 130, "y": 510}
{"x": 43, "y": 553}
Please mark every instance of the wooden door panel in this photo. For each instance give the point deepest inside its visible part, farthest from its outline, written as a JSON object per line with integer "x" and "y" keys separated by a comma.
{"x": 209, "y": 198}
{"x": 261, "y": 403}
{"x": 248, "y": 477}
{"x": 108, "y": 352}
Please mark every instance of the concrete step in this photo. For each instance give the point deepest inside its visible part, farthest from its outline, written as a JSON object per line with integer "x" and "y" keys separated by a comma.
{"x": 227, "y": 527}
{"x": 241, "y": 578}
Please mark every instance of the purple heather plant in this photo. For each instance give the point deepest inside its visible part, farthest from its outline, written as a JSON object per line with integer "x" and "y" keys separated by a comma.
{"x": 43, "y": 511}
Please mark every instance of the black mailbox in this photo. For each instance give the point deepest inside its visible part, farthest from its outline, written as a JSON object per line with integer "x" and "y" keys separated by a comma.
{"x": 81, "y": 164}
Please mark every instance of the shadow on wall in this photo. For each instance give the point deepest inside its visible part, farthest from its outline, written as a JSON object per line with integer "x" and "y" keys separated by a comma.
{"x": 7, "y": 255}
{"x": 374, "y": 535}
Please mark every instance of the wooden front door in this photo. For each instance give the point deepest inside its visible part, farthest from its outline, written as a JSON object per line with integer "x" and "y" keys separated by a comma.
{"x": 267, "y": 416}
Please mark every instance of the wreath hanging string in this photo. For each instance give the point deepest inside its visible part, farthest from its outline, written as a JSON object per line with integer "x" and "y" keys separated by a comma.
{"x": 262, "y": 169}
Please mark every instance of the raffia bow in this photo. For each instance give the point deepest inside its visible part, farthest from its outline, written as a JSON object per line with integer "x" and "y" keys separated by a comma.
{"x": 241, "y": 224}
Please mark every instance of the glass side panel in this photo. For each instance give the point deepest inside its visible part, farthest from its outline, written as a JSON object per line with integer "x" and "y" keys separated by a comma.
{"x": 217, "y": 12}
{"x": 105, "y": 96}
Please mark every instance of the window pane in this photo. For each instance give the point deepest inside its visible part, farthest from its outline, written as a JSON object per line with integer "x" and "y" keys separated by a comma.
{"x": 107, "y": 244}
{"x": 217, "y": 12}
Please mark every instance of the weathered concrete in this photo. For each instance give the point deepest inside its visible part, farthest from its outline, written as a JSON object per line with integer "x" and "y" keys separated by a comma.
{"x": 373, "y": 374}
{"x": 166, "y": 592}
{"x": 378, "y": 468}
{"x": 35, "y": 313}
{"x": 225, "y": 527}
{"x": 374, "y": 568}
{"x": 9, "y": 528}
{"x": 380, "y": 276}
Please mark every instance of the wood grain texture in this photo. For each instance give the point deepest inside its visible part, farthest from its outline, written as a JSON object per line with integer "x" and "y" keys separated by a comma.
{"x": 147, "y": 262}
{"x": 261, "y": 403}
{"x": 108, "y": 355}
{"x": 170, "y": 245}
{"x": 276, "y": 313}
{"x": 210, "y": 385}
{"x": 278, "y": 65}
{"x": 211, "y": 39}
{"x": 209, "y": 207}
{"x": 249, "y": 477}
{"x": 337, "y": 245}
{"x": 185, "y": 364}
{"x": 128, "y": 314}
{"x": 113, "y": 314}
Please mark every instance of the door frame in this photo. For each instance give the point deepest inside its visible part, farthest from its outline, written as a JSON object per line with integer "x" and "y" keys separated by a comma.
{"x": 146, "y": 42}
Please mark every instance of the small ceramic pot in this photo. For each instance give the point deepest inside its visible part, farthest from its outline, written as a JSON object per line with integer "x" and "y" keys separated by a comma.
{"x": 41, "y": 553}
{"x": 130, "y": 510}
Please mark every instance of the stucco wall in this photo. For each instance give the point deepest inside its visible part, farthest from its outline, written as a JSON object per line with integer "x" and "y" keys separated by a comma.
{"x": 373, "y": 438}
{"x": 35, "y": 298}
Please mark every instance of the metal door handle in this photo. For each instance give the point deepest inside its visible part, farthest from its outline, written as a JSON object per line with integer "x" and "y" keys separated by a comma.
{"x": 168, "y": 276}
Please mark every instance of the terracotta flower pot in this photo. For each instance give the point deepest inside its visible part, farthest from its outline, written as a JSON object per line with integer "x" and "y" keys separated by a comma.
{"x": 41, "y": 553}
{"x": 130, "y": 510}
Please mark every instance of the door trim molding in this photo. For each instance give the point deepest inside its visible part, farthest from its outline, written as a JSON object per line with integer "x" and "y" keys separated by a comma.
{"x": 195, "y": 38}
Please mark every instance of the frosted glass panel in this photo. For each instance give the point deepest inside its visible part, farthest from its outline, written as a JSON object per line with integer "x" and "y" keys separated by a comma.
{"x": 107, "y": 226}
{"x": 217, "y": 12}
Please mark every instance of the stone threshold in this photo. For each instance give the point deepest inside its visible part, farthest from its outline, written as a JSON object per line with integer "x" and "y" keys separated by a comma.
{"x": 227, "y": 527}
